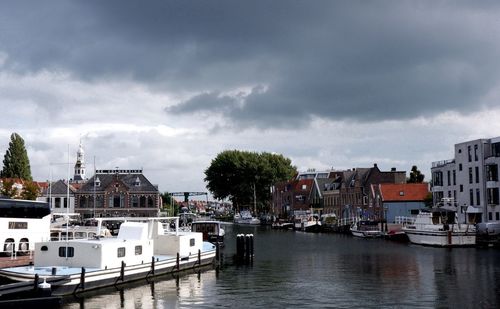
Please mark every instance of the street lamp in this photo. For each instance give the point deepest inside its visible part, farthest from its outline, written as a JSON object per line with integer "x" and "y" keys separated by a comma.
{"x": 385, "y": 218}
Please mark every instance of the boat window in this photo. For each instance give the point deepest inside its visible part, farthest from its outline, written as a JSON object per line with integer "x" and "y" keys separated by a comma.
{"x": 44, "y": 248}
{"x": 138, "y": 250}
{"x": 192, "y": 242}
{"x": 121, "y": 252}
{"x": 80, "y": 235}
{"x": 70, "y": 252}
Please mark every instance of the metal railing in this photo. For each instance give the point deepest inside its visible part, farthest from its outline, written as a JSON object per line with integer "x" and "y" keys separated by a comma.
{"x": 404, "y": 220}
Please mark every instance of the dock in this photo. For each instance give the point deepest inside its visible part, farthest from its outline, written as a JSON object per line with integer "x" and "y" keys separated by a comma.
{"x": 20, "y": 260}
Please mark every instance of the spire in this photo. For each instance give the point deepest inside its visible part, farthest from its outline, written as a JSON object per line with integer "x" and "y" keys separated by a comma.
{"x": 80, "y": 164}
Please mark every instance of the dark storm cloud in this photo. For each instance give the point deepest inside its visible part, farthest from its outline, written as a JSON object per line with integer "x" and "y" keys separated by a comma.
{"x": 365, "y": 61}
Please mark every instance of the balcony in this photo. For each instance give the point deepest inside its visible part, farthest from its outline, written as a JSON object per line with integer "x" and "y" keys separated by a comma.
{"x": 442, "y": 163}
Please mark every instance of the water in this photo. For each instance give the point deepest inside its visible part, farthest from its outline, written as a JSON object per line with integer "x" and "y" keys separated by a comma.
{"x": 300, "y": 270}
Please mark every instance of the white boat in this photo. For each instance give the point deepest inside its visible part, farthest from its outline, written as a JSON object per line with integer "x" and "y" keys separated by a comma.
{"x": 212, "y": 231}
{"x": 440, "y": 228}
{"x": 22, "y": 223}
{"x": 245, "y": 217}
{"x": 307, "y": 223}
{"x": 366, "y": 229}
{"x": 143, "y": 248}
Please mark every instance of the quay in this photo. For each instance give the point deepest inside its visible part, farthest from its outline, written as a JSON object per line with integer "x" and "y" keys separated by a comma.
{"x": 20, "y": 260}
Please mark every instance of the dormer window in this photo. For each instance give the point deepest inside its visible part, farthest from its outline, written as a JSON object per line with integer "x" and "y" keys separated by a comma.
{"x": 97, "y": 182}
{"x": 401, "y": 193}
{"x": 137, "y": 182}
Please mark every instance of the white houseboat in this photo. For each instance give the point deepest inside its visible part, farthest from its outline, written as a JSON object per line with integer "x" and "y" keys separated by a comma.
{"x": 143, "y": 248}
{"x": 22, "y": 223}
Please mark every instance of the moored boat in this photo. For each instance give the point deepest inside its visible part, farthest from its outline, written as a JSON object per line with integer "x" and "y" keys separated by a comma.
{"x": 143, "y": 248}
{"x": 212, "y": 231}
{"x": 245, "y": 217}
{"x": 440, "y": 228}
{"x": 366, "y": 229}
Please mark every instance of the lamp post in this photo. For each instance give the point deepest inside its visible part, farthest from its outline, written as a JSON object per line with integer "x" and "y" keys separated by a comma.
{"x": 385, "y": 218}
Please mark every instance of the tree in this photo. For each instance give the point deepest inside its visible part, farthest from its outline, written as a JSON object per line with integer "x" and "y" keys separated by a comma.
{"x": 415, "y": 175}
{"x": 16, "y": 163}
{"x": 30, "y": 191}
{"x": 8, "y": 188}
{"x": 169, "y": 204}
{"x": 237, "y": 175}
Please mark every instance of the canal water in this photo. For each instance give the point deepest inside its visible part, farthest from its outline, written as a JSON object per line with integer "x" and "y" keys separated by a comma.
{"x": 301, "y": 270}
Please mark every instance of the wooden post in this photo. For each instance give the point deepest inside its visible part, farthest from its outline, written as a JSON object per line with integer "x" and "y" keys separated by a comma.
{"x": 153, "y": 265}
{"x": 178, "y": 261}
{"x": 199, "y": 257}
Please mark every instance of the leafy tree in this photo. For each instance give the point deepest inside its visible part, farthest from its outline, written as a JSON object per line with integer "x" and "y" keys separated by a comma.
{"x": 16, "y": 163}
{"x": 238, "y": 174}
{"x": 30, "y": 191}
{"x": 8, "y": 188}
{"x": 168, "y": 202}
{"x": 415, "y": 175}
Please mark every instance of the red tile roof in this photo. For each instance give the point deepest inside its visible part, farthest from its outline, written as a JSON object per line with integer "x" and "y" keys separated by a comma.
{"x": 404, "y": 192}
{"x": 298, "y": 185}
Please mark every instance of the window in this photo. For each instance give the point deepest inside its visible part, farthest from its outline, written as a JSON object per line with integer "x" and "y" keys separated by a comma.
{"x": 437, "y": 178}
{"x": 477, "y": 174}
{"x": 44, "y": 248}
{"x": 135, "y": 201}
{"x": 401, "y": 193}
{"x": 460, "y": 166}
{"x": 475, "y": 153}
{"x": 493, "y": 196}
{"x": 492, "y": 172}
{"x": 449, "y": 178}
{"x": 414, "y": 211}
{"x": 57, "y": 202}
{"x": 470, "y": 175}
{"x": 121, "y": 252}
{"x": 478, "y": 197}
{"x": 192, "y": 242}
{"x": 490, "y": 216}
{"x": 70, "y": 252}
{"x": 304, "y": 187}
{"x": 454, "y": 177}
{"x": 138, "y": 250}
{"x": 469, "y": 154}
{"x": 497, "y": 216}
{"x": 471, "y": 197}
{"x": 461, "y": 188}
{"x": 459, "y": 150}
{"x": 495, "y": 149}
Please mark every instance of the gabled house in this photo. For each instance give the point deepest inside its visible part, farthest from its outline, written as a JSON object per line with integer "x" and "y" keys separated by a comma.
{"x": 403, "y": 200}
{"x": 118, "y": 193}
{"x": 56, "y": 194}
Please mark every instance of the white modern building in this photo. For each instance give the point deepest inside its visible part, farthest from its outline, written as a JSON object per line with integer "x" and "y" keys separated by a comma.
{"x": 470, "y": 180}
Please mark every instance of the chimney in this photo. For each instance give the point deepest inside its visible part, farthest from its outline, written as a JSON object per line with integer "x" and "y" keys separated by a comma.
{"x": 393, "y": 169}
{"x": 375, "y": 165}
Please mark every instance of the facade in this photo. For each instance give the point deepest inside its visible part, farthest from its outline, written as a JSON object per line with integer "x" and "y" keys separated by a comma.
{"x": 118, "y": 193}
{"x": 344, "y": 193}
{"x": 470, "y": 180}
{"x": 56, "y": 194}
{"x": 395, "y": 200}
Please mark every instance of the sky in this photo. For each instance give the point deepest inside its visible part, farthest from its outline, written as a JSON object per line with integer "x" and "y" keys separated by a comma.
{"x": 167, "y": 85}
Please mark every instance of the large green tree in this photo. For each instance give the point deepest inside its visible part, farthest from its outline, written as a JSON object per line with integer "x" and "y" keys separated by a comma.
{"x": 16, "y": 163}
{"x": 239, "y": 175}
{"x": 415, "y": 175}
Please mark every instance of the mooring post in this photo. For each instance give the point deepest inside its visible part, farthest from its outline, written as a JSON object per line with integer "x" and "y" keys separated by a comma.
{"x": 35, "y": 287}
{"x": 178, "y": 261}
{"x": 122, "y": 271}
{"x": 199, "y": 257}
{"x": 152, "y": 265}
{"x": 82, "y": 279}
{"x": 217, "y": 252}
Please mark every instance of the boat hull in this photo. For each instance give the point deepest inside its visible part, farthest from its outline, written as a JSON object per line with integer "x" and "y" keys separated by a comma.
{"x": 441, "y": 238}
{"x": 83, "y": 281}
{"x": 366, "y": 234}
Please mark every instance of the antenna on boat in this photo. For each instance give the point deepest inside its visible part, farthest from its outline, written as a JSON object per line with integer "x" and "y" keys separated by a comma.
{"x": 67, "y": 208}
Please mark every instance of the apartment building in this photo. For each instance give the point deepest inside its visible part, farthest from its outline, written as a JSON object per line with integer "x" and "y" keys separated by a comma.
{"x": 470, "y": 180}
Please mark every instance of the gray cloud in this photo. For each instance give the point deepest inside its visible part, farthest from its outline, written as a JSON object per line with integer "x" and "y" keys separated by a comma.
{"x": 334, "y": 60}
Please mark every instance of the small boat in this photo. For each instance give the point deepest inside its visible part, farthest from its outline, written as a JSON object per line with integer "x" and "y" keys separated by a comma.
{"x": 212, "y": 231}
{"x": 144, "y": 247}
{"x": 245, "y": 217}
{"x": 488, "y": 234}
{"x": 282, "y": 224}
{"x": 308, "y": 223}
{"x": 366, "y": 229}
{"x": 328, "y": 222}
{"x": 440, "y": 228}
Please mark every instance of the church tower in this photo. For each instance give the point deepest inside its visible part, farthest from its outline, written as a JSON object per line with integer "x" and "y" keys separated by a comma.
{"x": 79, "y": 176}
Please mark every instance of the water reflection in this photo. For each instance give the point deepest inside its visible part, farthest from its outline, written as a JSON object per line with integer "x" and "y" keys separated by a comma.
{"x": 321, "y": 270}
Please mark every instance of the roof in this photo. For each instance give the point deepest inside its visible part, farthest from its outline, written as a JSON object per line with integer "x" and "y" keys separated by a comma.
{"x": 129, "y": 180}
{"x": 58, "y": 187}
{"x": 404, "y": 192}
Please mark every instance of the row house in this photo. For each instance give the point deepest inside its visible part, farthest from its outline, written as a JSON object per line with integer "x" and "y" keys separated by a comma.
{"x": 399, "y": 200}
{"x": 118, "y": 193}
{"x": 470, "y": 180}
{"x": 343, "y": 193}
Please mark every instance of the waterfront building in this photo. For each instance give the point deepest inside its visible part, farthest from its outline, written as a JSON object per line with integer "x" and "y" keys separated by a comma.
{"x": 395, "y": 200}
{"x": 470, "y": 180}
{"x": 56, "y": 194}
{"x": 118, "y": 193}
{"x": 343, "y": 193}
